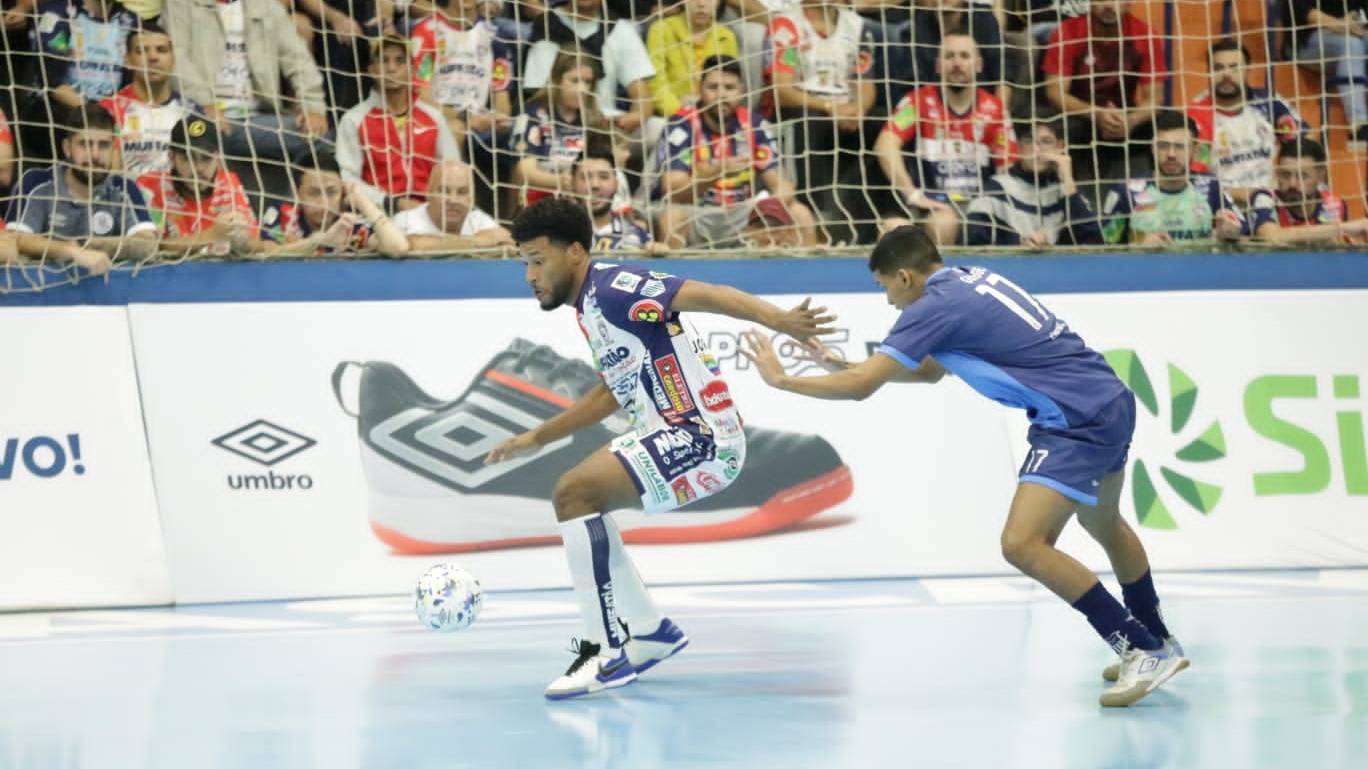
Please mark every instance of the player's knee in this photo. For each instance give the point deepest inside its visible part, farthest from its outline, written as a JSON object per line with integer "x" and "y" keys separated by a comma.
{"x": 573, "y": 497}
{"x": 1020, "y": 550}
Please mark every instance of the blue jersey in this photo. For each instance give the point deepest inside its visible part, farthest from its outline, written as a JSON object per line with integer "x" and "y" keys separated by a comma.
{"x": 660, "y": 371}
{"x": 80, "y": 50}
{"x": 1006, "y": 345}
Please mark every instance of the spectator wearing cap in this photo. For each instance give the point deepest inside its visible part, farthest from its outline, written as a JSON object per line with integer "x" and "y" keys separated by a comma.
{"x": 1301, "y": 208}
{"x": 389, "y": 143}
{"x": 234, "y": 56}
{"x": 716, "y": 160}
{"x": 80, "y": 199}
{"x": 597, "y": 182}
{"x": 148, "y": 107}
{"x": 332, "y": 217}
{"x": 449, "y": 220}
{"x": 200, "y": 206}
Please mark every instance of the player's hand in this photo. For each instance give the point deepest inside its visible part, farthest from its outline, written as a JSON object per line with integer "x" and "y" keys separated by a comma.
{"x": 517, "y": 446}
{"x": 816, "y": 351}
{"x": 338, "y": 236}
{"x": 804, "y": 322}
{"x": 95, "y": 262}
{"x": 758, "y": 350}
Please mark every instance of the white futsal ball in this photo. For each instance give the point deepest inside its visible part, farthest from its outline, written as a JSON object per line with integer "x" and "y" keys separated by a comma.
{"x": 447, "y": 598}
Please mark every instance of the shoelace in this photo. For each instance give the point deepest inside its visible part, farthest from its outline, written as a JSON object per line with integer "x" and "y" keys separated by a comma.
{"x": 585, "y": 651}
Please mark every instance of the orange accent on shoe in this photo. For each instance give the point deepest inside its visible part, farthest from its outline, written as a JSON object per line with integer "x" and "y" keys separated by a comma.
{"x": 785, "y": 509}
{"x": 530, "y": 389}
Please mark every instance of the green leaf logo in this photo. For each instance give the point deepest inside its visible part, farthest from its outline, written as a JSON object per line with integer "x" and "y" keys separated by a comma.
{"x": 1209, "y": 445}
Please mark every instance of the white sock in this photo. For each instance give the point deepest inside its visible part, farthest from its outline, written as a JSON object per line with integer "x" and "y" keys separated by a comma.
{"x": 634, "y": 603}
{"x": 606, "y": 583}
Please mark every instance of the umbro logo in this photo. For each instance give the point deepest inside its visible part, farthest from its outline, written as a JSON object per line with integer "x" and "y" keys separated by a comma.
{"x": 263, "y": 442}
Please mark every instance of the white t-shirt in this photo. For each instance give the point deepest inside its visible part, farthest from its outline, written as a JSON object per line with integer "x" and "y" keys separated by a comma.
{"x": 233, "y": 82}
{"x": 625, "y": 60}
{"x": 416, "y": 221}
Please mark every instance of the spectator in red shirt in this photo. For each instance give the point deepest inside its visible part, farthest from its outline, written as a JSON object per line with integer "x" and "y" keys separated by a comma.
{"x": 200, "y": 206}
{"x": 1102, "y": 71}
{"x": 390, "y": 142}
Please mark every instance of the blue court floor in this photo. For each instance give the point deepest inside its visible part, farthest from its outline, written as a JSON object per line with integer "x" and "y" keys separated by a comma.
{"x": 982, "y": 673}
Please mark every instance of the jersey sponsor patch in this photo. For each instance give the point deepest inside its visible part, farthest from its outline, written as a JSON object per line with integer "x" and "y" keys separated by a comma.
{"x": 716, "y": 396}
{"x": 683, "y": 490}
{"x": 653, "y": 288}
{"x": 626, "y": 281}
{"x": 672, "y": 380}
{"x": 646, "y": 311}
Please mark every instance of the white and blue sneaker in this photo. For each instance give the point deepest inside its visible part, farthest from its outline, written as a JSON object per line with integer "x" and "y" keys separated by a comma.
{"x": 1141, "y": 673}
{"x": 645, "y": 651}
{"x": 592, "y": 671}
{"x": 1113, "y": 671}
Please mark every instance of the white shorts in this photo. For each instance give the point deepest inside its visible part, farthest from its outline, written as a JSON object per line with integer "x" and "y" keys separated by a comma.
{"x": 676, "y": 465}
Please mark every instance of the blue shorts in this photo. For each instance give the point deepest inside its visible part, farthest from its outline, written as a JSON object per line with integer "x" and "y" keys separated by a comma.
{"x": 1074, "y": 461}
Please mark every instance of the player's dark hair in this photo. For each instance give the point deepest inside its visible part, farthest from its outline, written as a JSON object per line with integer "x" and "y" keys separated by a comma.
{"x": 1171, "y": 120}
{"x": 87, "y": 117}
{"x": 1301, "y": 147}
{"x": 311, "y": 160}
{"x": 905, "y": 248}
{"x": 1227, "y": 44}
{"x": 723, "y": 62}
{"x": 598, "y": 147}
{"x": 1049, "y": 119}
{"x": 144, "y": 27}
{"x": 560, "y": 220}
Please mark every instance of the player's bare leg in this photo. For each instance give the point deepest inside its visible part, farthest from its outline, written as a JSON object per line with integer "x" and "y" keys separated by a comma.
{"x": 1037, "y": 516}
{"x": 1129, "y": 562}
{"x": 611, "y": 595}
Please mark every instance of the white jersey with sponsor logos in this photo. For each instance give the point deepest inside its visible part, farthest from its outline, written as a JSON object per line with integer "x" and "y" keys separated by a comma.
{"x": 659, "y": 369}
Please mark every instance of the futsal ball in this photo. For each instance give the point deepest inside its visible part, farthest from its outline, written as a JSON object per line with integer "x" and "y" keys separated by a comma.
{"x": 447, "y": 598}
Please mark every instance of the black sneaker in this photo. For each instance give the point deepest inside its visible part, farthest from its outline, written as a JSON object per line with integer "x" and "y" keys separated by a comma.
{"x": 430, "y": 491}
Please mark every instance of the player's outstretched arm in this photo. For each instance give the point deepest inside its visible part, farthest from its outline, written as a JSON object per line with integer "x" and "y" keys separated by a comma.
{"x": 802, "y": 322}
{"x": 929, "y": 372}
{"x": 856, "y": 382}
{"x": 596, "y": 405}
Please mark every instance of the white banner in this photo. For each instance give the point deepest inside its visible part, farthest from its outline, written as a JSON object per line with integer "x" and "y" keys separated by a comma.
{"x": 78, "y": 516}
{"x": 268, "y": 488}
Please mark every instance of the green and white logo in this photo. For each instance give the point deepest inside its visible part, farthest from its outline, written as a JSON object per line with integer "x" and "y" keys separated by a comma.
{"x": 1207, "y": 446}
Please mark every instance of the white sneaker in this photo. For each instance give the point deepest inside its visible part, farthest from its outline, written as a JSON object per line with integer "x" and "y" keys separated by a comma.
{"x": 1113, "y": 671}
{"x": 592, "y": 671}
{"x": 1141, "y": 673}
{"x": 645, "y": 651}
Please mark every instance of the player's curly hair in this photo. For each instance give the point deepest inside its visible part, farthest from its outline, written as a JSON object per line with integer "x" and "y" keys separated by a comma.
{"x": 908, "y": 247}
{"x": 562, "y": 221}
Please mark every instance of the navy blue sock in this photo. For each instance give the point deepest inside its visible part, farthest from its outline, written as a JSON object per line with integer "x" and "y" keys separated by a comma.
{"x": 1111, "y": 621}
{"x": 1143, "y": 602}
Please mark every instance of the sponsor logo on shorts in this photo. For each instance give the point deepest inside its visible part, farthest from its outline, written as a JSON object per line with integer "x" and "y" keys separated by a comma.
{"x": 651, "y": 479}
{"x": 626, "y": 281}
{"x": 683, "y": 490}
{"x": 646, "y": 311}
{"x": 672, "y": 379}
{"x": 731, "y": 463}
{"x": 710, "y": 483}
{"x": 716, "y": 396}
{"x": 669, "y": 440}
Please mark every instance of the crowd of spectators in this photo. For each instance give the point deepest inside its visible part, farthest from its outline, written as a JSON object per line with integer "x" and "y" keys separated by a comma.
{"x": 261, "y": 128}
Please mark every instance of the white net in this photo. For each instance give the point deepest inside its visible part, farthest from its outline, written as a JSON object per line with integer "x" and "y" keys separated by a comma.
{"x": 156, "y": 131}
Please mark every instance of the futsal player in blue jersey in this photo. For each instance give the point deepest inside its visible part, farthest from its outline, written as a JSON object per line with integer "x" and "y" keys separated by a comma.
{"x": 1004, "y": 343}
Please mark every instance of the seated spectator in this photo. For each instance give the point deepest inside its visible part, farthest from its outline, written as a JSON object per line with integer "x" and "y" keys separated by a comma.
{"x": 961, "y": 136}
{"x": 615, "y": 45}
{"x": 1238, "y": 126}
{"x": 6, "y": 153}
{"x": 200, "y": 206}
{"x": 465, "y": 69}
{"x": 821, "y": 64}
{"x": 715, "y": 161}
{"x": 1302, "y": 209}
{"x": 1333, "y": 35}
{"x": 331, "y": 217}
{"x": 1036, "y": 202}
{"x": 595, "y": 181}
{"x": 1103, "y": 71}
{"x": 389, "y": 143}
{"x": 449, "y": 220}
{"x": 1037, "y": 19}
{"x": 337, "y": 32}
{"x": 678, "y": 44}
{"x": 933, "y": 20}
{"x": 81, "y": 200}
{"x": 233, "y": 57}
{"x": 549, "y": 137}
{"x": 148, "y": 107}
{"x": 1175, "y": 204}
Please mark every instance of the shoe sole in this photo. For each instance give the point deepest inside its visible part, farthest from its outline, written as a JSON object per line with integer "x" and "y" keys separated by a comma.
{"x": 1128, "y": 698}
{"x": 614, "y": 684}
{"x": 786, "y": 508}
{"x": 1112, "y": 672}
{"x": 652, "y": 663}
